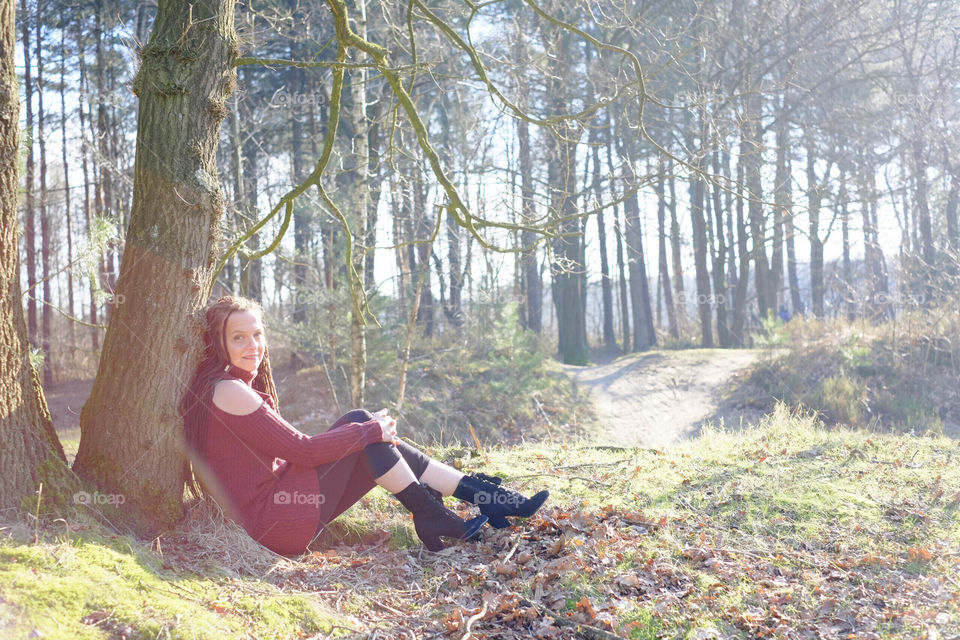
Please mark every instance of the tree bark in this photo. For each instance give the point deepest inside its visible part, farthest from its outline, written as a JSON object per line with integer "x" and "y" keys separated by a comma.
{"x": 30, "y": 454}
{"x": 130, "y": 430}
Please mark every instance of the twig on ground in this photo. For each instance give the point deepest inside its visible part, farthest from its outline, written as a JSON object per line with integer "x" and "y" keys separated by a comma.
{"x": 474, "y": 618}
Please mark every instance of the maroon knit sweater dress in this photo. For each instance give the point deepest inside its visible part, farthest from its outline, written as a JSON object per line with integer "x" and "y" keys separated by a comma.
{"x": 263, "y": 472}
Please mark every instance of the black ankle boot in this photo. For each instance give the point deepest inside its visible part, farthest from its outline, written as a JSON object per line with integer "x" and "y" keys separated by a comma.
{"x": 432, "y": 520}
{"x": 495, "y": 501}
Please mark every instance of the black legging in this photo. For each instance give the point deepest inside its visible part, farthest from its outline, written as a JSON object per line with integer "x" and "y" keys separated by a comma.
{"x": 348, "y": 479}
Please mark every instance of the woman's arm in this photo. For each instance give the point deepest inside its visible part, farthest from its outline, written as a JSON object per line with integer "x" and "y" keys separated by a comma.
{"x": 245, "y": 415}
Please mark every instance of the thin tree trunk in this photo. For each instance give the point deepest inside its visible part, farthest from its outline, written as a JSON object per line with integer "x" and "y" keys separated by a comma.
{"x": 675, "y": 242}
{"x": 664, "y": 274}
{"x": 618, "y": 230}
{"x": 719, "y": 263}
{"x": 533, "y": 285}
{"x": 29, "y": 213}
{"x": 251, "y": 272}
{"x": 422, "y": 230}
{"x": 71, "y": 303}
{"x": 781, "y": 210}
{"x": 953, "y": 199}
{"x": 85, "y": 155}
{"x": 847, "y": 272}
{"x": 130, "y": 441}
{"x": 609, "y": 337}
{"x": 365, "y": 236}
{"x": 700, "y": 260}
{"x": 104, "y": 206}
{"x": 567, "y": 269}
{"x": 753, "y": 159}
{"x": 816, "y": 245}
{"x": 785, "y": 194}
{"x": 923, "y": 207}
{"x": 44, "y": 214}
{"x": 644, "y": 335}
{"x": 301, "y": 211}
{"x": 743, "y": 273}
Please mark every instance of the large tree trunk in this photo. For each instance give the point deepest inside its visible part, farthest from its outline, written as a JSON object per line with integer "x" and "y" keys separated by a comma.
{"x": 130, "y": 430}
{"x": 30, "y": 454}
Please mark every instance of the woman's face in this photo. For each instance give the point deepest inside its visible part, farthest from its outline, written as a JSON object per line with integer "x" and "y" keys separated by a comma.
{"x": 246, "y": 340}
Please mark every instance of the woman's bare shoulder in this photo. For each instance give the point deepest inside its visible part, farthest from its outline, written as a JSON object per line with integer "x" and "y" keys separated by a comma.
{"x": 234, "y": 397}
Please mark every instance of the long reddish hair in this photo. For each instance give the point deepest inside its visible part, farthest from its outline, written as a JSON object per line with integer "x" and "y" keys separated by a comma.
{"x": 195, "y": 406}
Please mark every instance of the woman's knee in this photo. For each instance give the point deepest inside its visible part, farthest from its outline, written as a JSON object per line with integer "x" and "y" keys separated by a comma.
{"x": 358, "y": 415}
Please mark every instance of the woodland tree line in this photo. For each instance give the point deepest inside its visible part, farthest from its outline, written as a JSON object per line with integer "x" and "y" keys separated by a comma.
{"x": 707, "y": 153}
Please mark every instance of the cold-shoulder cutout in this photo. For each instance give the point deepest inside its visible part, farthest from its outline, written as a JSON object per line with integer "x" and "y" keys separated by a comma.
{"x": 236, "y": 398}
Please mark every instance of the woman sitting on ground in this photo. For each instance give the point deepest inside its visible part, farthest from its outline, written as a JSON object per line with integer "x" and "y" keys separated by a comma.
{"x": 282, "y": 486}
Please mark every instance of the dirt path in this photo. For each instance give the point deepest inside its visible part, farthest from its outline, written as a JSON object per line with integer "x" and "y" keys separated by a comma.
{"x": 654, "y": 399}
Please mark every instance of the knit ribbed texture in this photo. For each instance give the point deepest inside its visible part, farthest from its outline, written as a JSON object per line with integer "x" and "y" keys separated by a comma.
{"x": 263, "y": 469}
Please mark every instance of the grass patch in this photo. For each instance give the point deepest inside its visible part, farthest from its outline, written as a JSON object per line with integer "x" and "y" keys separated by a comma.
{"x": 783, "y": 528}
{"x": 897, "y": 376}
{"x": 80, "y": 580}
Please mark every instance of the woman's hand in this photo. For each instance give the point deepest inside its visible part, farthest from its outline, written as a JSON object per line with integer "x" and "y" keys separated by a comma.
{"x": 388, "y": 426}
